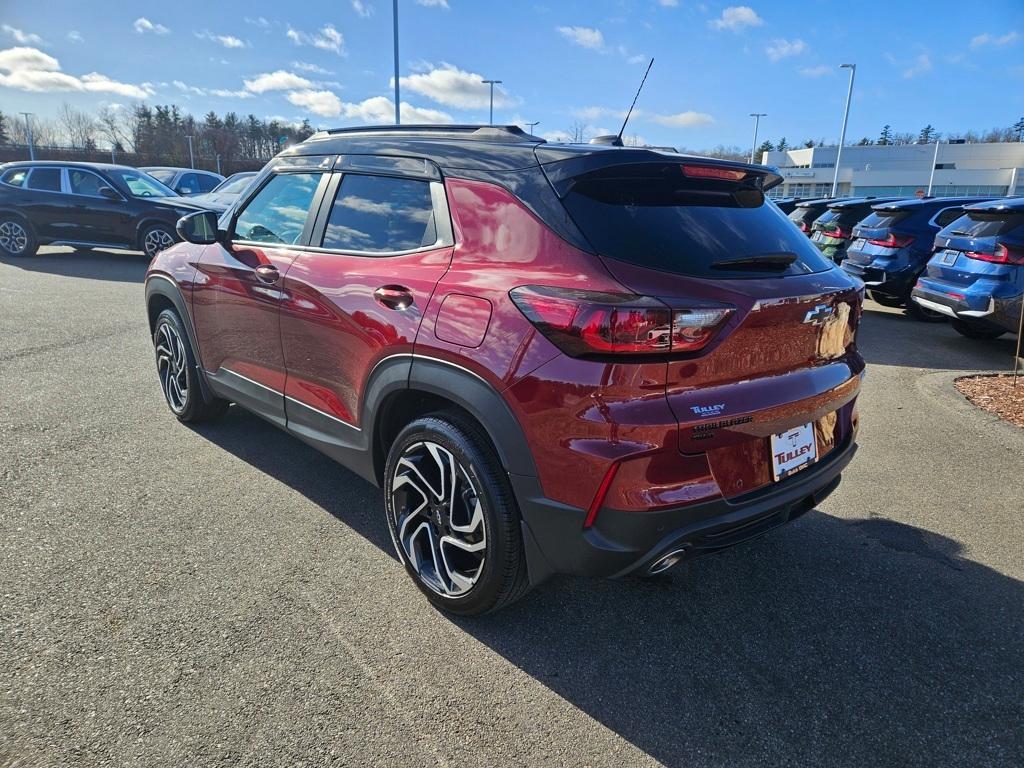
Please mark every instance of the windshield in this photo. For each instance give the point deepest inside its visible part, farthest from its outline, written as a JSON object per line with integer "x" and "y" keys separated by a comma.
{"x": 141, "y": 184}
{"x": 235, "y": 185}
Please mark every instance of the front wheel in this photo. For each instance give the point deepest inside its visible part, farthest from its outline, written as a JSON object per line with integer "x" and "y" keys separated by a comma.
{"x": 453, "y": 517}
{"x": 975, "y": 330}
{"x": 179, "y": 378}
{"x": 17, "y": 237}
{"x": 156, "y": 238}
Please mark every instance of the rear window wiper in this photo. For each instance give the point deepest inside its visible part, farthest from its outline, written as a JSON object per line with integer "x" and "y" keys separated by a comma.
{"x": 765, "y": 261}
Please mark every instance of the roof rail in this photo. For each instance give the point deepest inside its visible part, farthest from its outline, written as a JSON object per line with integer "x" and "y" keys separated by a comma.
{"x": 509, "y": 133}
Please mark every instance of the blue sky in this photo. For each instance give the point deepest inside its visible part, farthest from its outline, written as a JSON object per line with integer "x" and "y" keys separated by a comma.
{"x": 951, "y": 64}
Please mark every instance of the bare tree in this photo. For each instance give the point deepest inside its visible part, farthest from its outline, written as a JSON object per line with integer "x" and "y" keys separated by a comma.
{"x": 577, "y": 131}
{"x": 117, "y": 126}
{"x": 79, "y": 128}
{"x": 45, "y": 132}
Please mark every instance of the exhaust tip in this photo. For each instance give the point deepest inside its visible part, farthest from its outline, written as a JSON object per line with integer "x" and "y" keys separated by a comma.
{"x": 665, "y": 562}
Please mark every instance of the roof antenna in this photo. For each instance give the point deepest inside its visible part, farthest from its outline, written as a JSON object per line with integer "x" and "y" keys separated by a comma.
{"x": 628, "y": 114}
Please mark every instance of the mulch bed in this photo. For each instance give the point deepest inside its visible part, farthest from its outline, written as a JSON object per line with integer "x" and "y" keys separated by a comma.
{"x": 996, "y": 394}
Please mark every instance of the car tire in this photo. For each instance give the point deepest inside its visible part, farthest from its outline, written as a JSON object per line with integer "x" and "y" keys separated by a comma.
{"x": 155, "y": 238}
{"x": 887, "y": 301}
{"x": 976, "y": 330}
{"x": 923, "y": 314}
{"x": 179, "y": 376}
{"x": 453, "y": 517}
{"x": 17, "y": 238}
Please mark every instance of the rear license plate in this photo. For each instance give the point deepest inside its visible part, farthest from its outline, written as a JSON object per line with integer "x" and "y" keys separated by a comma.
{"x": 859, "y": 243}
{"x": 816, "y": 237}
{"x": 793, "y": 450}
{"x": 948, "y": 257}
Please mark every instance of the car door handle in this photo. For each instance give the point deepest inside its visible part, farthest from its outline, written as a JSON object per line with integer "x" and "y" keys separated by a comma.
{"x": 267, "y": 273}
{"x": 394, "y": 296}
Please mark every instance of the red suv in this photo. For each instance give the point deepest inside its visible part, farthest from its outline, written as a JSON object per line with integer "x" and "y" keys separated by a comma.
{"x": 552, "y": 358}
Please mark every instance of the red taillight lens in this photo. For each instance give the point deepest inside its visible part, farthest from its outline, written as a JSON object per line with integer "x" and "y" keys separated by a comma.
{"x": 839, "y": 232}
{"x": 584, "y": 323}
{"x": 1001, "y": 254}
{"x": 894, "y": 241}
{"x": 803, "y": 227}
{"x": 712, "y": 172}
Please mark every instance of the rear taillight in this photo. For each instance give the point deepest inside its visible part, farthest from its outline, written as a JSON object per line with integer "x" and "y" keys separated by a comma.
{"x": 845, "y": 234}
{"x": 588, "y": 323}
{"x": 1001, "y": 254}
{"x": 894, "y": 241}
{"x": 803, "y": 227}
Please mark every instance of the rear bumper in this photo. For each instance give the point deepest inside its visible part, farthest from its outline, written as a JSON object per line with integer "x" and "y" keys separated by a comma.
{"x": 624, "y": 542}
{"x": 879, "y": 276}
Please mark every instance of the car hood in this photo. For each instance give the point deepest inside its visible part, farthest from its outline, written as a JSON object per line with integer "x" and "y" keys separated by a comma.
{"x": 177, "y": 202}
{"x": 214, "y": 201}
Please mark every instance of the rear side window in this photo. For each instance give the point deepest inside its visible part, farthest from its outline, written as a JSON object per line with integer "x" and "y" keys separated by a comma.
{"x": 15, "y": 177}
{"x": 164, "y": 177}
{"x": 948, "y": 216}
{"x": 883, "y": 219}
{"x": 277, "y": 214}
{"x": 205, "y": 183}
{"x": 653, "y": 216}
{"x": 46, "y": 179}
{"x": 380, "y": 214}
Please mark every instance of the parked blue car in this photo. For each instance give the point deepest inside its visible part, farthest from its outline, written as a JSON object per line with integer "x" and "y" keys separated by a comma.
{"x": 976, "y": 275}
{"x": 892, "y": 245}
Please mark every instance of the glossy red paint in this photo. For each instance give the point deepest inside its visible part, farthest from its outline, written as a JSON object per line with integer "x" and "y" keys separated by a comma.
{"x": 463, "y": 320}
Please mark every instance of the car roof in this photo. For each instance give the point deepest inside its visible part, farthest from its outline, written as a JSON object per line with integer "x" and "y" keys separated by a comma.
{"x": 926, "y": 202}
{"x": 854, "y": 202}
{"x": 820, "y": 202}
{"x": 1010, "y": 204}
{"x": 67, "y": 164}
{"x": 148, "y": 168}
{"x": 475, "y": 147}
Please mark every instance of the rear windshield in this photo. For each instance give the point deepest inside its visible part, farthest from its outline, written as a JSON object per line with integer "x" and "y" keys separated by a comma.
{"x": 841, "y": 217}
{"x": 977, "y": 224}
{"x": 651, "y": 215}
{"x": 804, "y": 215}
{"x": 883, "y": 219}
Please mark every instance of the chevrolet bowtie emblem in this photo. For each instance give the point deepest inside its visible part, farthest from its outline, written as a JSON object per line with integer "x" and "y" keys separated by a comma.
{"x": 819, "y": 315}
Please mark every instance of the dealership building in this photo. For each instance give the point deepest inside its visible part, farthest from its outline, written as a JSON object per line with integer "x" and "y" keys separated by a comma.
{"x": 901, "y": 170}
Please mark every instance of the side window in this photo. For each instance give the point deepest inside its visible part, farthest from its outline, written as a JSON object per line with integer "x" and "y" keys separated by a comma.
{"x": 85, "y": 182}
{"x": 15, "y": 177}
{"x": 188, "y": 184}
{"x": 380, "y": 214}
{"x": 205, "y": 183}
{"x": 948, "y": 216}
{"x": 278, "y": 212}
{"x": 46, "y": 179}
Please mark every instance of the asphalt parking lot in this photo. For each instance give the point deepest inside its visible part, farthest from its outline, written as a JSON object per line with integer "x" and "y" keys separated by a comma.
{"x": 227, "y": 596}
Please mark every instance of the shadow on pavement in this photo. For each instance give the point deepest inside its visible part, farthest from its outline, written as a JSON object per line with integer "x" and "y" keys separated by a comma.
{"x": 829, "y": 642}
{"x": 118, "y": 266}
{"x": 888, "y": 337}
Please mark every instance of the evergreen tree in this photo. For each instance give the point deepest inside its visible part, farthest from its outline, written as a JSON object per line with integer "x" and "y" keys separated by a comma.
{"x": 3, "y": 129}
{"x": 885, "y": 138}
{"x": 1018, "y": 129}
{"x": 927, "y": 135}
{"x": 766, "y": 146}
{"x": 782, "y": 146}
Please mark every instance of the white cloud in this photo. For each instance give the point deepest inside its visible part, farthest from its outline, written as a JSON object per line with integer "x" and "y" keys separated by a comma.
{"x": 819, "y": 71}
{"x": 322, "y": 103}
{"x": 74, "y": 36}
{"x": 143, "y": 25}
{"x": 25, "y": 38}
{"x": 188, "y": 89}
{"x": 277, "y": 81}
{"x": 454, "y": 87}
{"x": 228, "y": 41}
{"x": 984, "y": 39}
{"x": 557, "y": 137}
{"x": 586, "y": 37}
{"x": 29, "y": 69}
{"x": 380, "y": 109}
{"x": 303, "y": 66}
{"x": 735, "y": 17}
{"x": 227, "y": 93}
{"x": 687, "y": 119}
{"x": 781, "y": 49}
{"x": 327, "y": 39}
{"x": 922, "y": 64}
{"x": 259, "y": 21}
{"x": 362, "y": 8}
{"x": 596, "y": 113}
{"x": 434, "y": 4}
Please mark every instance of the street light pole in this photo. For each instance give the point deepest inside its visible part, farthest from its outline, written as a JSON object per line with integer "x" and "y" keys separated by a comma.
{"x": 398, "y": 100}
{"x": 28, "y": 130}
{"x": 935, "y": 161}
{"x": 191, "y": 156}
{"x": 533, "y": 125}
{"x": 757, "y": 121}
{"x": 842, "y": 134}
{"x": 492, "y": 83}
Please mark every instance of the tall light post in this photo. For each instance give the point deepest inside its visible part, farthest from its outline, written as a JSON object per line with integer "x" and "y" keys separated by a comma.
{"x": 533, "y": 125}
{"x": 935, "y": 162}
{"x": 398, "y": 100}
{"x": 492, "y": 83}
{"x": 757, "y": 121}
{"x": 28, "y": 132}
{"x": 191, "y": 156}
{"x": 842, "y": 134}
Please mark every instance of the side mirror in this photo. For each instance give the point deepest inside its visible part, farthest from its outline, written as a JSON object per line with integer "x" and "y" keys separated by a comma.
{"x": 199, "y": 228}
{"x": 110, "y": 194}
